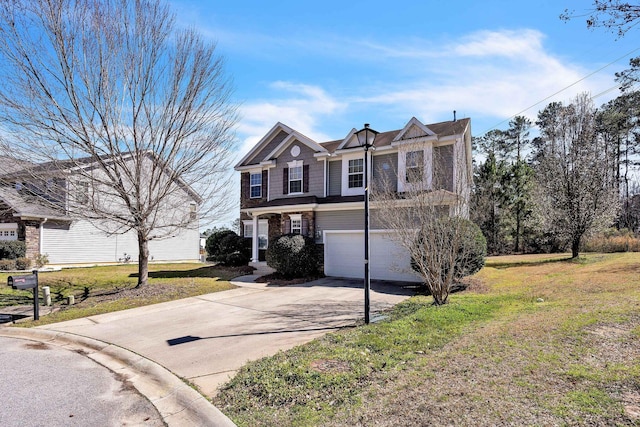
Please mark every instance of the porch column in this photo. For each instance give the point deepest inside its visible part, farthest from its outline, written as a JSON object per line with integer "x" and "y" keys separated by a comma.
{"x": 254, "y": 240}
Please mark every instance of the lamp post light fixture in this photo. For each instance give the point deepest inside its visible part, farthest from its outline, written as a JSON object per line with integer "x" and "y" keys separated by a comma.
{"x": 366, "y": 137}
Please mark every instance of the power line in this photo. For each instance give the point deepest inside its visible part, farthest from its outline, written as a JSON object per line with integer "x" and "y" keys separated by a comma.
{"x": 567, "y": 87}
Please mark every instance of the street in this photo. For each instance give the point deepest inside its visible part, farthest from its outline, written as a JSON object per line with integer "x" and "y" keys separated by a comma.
{"x": 47, "y": 385}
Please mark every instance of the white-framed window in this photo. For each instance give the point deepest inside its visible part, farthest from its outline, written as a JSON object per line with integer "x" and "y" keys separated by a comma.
{"x": 9, "y": 231}
{"x": 82, "y": 192}
{"x": 352, "y": 175}
{"x": 355, "y": 171}
{"x": 255, "y": 184}
{"x": 248, "y": 229}
{"x": 296, "y": 224}
{"x": 263, "y": 232}
{"x": 295, "y": 179}
{"x": 414, "y": 166}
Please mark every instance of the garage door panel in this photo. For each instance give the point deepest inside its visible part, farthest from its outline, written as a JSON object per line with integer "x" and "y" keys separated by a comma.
{"x": 344, "y": 256}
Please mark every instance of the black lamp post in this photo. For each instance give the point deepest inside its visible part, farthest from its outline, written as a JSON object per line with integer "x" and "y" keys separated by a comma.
{"x": 366, "y": 137}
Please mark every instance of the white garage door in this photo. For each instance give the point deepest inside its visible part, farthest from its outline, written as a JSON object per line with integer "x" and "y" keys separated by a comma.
{"x": 344, "y": 256}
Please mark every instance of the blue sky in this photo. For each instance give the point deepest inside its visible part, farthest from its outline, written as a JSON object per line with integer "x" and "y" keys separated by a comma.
{"x": 326, "y": 67}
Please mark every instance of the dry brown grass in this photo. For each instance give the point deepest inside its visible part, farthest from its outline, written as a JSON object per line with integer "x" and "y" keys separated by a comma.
{"x": 573, "y": 359}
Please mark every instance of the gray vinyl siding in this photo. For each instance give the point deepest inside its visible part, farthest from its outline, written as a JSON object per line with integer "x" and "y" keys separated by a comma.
{"x": 340, "y": 220}
{"x": 345, "y": 220}
{"x": 316, "y": 172}
{"x": 443, "y": 167}
{"x": 385, "y": 169}
{"x": 259, "y": 156}
{"x": 80, "y": 242}
{"x": 335, "y": 178}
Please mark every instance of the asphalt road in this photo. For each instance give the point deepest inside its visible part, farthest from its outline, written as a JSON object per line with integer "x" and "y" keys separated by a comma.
{"x": 47, "y": 385}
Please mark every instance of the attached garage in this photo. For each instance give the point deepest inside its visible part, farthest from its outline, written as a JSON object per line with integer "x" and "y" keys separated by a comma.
{"x": 344, "y": 256}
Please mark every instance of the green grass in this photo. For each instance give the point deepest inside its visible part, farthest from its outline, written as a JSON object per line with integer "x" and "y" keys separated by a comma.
{"x": 99, "y": 290}
{"x": 487, "y": 358}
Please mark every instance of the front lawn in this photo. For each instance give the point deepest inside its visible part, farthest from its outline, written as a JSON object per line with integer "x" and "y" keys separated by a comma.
{"x": 105, "y": 289}
{"x": 542, "y": 340}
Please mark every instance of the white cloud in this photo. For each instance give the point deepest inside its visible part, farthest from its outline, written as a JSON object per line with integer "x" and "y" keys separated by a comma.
{"x": 298, "y": 106}
{"x": 491, "y": 74}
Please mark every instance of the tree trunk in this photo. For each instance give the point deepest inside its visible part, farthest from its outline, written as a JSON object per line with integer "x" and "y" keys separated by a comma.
{"x": 143, "y": 260}
{"x": 575, "y": 246}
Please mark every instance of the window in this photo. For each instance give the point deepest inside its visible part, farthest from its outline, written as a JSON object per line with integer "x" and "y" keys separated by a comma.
{"x": 8, "y": 231}
{"x": 82, "y": 192}
{"x": 263, "y": 232}
{"x": 193, "y": 211}
{"x": 356, "y": 173}
{"x": 255, "y": 181}
{"x": 296, "y": 224}
{"x": 248, "y": 229}
{"x": 295, "y": 179}
{"x": 415, "y": 166}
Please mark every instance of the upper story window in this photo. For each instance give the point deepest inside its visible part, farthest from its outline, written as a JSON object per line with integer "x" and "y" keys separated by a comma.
{"x": 295, "y": 179}
{"x": 82, "y": 192}
{"x": 356, "y": 173}
{"x": 255, "y": 181}
{"x": 414, "y": 166}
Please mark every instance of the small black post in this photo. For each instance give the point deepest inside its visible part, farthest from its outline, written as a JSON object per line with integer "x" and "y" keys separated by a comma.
{"x": 36, "y": 302}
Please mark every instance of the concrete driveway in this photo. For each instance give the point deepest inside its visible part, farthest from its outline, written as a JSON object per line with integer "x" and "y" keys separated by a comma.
{"x": 206, "y": 339}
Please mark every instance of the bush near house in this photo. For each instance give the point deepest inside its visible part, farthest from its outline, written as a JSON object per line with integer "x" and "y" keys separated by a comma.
{"x": 294, "y": 255}
{"x": 227, "y": 248}
{"x": 23, "y": 263}
{"x": 7, "y": 264}
{"x": 12, "y": 249}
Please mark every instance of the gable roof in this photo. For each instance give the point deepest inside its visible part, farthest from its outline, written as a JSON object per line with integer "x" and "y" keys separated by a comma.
{"x": 413, "y": 129}
{"x": 262, "y": 152}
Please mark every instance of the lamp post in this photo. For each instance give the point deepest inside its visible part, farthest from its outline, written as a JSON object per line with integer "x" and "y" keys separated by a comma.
{"x": 366, "y": 136}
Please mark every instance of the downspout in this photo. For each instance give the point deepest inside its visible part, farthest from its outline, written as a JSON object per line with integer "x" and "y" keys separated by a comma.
{"x": 41, "y": 243}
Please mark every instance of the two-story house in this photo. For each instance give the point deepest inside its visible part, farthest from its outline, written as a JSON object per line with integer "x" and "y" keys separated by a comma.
{"x": 293, "y": 184}
{"x": 44, "y": 213}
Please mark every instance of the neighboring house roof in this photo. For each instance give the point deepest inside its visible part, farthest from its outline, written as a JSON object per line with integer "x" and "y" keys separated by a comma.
{"x": 23, "y": 207}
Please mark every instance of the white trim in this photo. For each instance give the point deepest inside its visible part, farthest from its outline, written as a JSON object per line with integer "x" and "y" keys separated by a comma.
{"x": 295, "y": 136}
{"x": 251, "y": 185}
{"x": 264, "y": 141}
{"x": 8, "y": 226}
{"x": 345, "y": 190}
{"x": 295, "y": 164}
{"x": 346, "y": 140}
{"x": 409, "y": 125}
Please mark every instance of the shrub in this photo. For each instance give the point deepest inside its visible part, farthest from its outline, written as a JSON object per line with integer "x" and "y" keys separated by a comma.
{"x": 7, "y": 264}
{"x": 441, "y": 243}
{"x": 12, "y": 249}
{"x": 227, "y": 248}
{"x": 41, "y": 260}
{"x": 294, "y": 255}
{"x": 23, "y": 263}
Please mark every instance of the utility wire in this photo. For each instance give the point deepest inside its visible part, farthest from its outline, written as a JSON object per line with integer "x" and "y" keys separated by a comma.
{"x": 567, "y": 87}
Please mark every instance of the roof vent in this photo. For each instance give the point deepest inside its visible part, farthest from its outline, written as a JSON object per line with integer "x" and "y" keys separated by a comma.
{"x": 454, "y": 115}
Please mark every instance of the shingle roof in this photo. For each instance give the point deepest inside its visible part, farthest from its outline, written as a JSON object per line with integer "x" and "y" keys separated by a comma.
{"x": 25, "y": 206}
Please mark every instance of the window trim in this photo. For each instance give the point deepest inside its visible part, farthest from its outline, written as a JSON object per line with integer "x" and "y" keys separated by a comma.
{"x": 253, "y": 185}
{"x": 355, "y": 174}
{"x": 420, "y": 168}
{"x": 344, "y": 188}
{"x": 297, "y": 218}
{"x": 295, "y": 165}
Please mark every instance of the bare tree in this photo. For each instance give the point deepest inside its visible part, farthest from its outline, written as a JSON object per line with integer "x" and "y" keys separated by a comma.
{"x": 427, "y": 209}
{"x": 129, "y": 118}
{"x": 577, "y": 188}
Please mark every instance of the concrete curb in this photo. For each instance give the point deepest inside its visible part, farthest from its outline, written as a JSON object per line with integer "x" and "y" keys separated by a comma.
{"x": 178, "y": 404}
